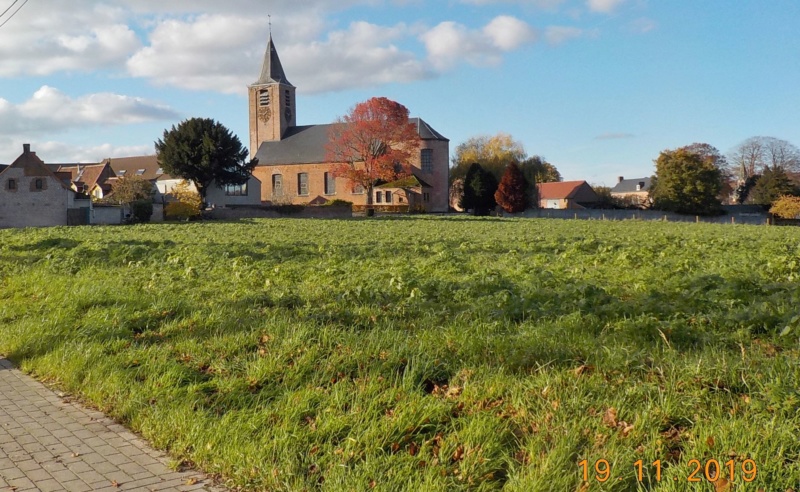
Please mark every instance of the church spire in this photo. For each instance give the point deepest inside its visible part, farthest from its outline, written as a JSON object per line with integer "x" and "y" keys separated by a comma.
{"x": 272, "y": 70}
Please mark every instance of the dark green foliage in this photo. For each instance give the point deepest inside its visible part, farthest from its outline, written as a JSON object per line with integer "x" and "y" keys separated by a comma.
{"x": 770, "y": 186}
{"x": 512, "y": 193}
{"x": 686, "y": 183}
{"x": 142, "y": 210}
{"x": 204, "y": 151}
{"x": 479, "y": 188}
{"x": 743, "y": 190}
{"x": 537, "y": 170}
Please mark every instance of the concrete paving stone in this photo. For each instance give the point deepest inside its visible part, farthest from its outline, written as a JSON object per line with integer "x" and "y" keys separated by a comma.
{"x": 49, "y": 443}
{"x": 51, "y": 485}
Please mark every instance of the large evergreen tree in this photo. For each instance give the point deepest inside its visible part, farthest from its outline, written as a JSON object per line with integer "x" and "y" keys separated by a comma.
{"x": 512, "y": 193}
{"x": 773, "y": 184}
{"x": 479, "y": 188}
{"x": 204, "y": 151}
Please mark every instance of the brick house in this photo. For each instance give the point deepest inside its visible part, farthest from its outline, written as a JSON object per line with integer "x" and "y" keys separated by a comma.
{"x": 633, "y": 191}
{"x": 292, "y": 165}
{"x": 95, "y": 180}
{"x": 31, "y": 195}
{"x": 566, "y": 195}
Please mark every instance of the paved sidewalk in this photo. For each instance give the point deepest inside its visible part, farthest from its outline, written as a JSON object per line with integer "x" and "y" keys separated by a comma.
{"x": 49, "y": 444}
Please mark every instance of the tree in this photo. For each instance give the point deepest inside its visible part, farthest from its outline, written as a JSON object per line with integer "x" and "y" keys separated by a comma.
{"x": 136, "y": 193}
{"x": 204, "y": 151}
{"x": 480, "y": 186}
{"x": 129, "y": 189}
{"x": 786, "y": 207}
{"x": 712, "y": 155}
{"x": 373, "y": 142}
{"x": 512, "y": 192}
{"x": 187, "y": 204}
{"x": 755, "y": 154}
{"x": 772, "y": 184}
{"x": 686, "y": 183}
{"x": 493, "y": 153}
{"x": 537, "y": 170}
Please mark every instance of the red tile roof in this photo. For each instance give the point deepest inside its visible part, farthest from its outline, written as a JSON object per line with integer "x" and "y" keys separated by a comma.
{"x": 559, "y": 190}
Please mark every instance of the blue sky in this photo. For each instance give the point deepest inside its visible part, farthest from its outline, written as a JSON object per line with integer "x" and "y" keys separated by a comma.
{"x": 598, "y": 87}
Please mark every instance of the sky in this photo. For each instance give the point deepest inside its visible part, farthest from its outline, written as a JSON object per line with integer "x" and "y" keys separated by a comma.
{"x": 597, "y": 87}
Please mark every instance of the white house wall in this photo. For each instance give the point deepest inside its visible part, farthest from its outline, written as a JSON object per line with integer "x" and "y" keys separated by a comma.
{"x": 26, "y": 208}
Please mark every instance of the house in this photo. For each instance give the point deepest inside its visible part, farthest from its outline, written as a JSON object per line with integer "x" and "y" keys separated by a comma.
{"x": 566, "y": 195}
{"x": 292, "y": 162}
{"x": 31, "y": 195}
{"x": 95, "y": 180}
{"x": 147, "y": 167}
{"x": 632, "y": 191}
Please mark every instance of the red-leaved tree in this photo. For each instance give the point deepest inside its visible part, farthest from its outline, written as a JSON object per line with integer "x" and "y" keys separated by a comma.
{"x": 373, "y": 142}
{"x": 511, "y": 191}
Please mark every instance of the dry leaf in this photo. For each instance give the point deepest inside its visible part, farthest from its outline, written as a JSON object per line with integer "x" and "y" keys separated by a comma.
{"x": 372, "y": 484}
{"x": 583, "y": 369}
{"x": 722, "y": 485}
{"x": 710, "y": 441}
{"x": 625, "y": 428}
{"x": 115, "y": 484}
{"x": 413, "y": 448}
{"x": 191, "y": 481}
{"x": 458, "y": 454}
{"x": 610, "y": 417}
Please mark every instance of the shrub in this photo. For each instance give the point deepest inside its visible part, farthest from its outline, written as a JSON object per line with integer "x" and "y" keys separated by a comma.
{"x": 142, "y": 210}
{"x": 338, "y": 203}
{"x": 511, "y": 193}
{"x": 786, "y": 207}
{"x": 188, "y": 203}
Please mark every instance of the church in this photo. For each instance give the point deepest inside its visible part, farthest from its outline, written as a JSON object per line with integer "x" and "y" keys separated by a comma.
{"x": 292, "y": 165}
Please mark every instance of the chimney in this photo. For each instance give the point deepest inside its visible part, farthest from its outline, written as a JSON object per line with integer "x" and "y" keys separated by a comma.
{"x": 26, "y": 148}
{"x": 620, "y": 179}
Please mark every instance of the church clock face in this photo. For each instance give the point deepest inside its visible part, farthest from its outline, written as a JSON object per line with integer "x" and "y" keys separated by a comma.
{"x": 264, "y": 114}
{"x": 288, "y": 113}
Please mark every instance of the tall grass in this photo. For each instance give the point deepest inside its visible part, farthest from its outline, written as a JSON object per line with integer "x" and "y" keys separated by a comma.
{"x": 424, "y": 353}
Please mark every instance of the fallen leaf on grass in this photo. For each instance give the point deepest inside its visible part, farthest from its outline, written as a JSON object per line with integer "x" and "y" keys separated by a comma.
{"x": 458, "y": 454}
{"x": 722, "y": 485}
{"x": 583, "y": 369}
{"x": 610, "y": 417}
{"x": 710, "y": 441}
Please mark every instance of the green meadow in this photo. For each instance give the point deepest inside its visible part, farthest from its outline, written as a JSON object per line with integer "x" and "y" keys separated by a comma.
{"x": 427, "y": 353}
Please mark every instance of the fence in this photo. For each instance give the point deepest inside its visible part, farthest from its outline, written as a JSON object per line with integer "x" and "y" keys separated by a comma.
{"x": 734, "y": 216}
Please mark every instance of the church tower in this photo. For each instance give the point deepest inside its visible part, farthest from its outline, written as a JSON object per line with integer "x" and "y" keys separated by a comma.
{"x": 272, "y": 102}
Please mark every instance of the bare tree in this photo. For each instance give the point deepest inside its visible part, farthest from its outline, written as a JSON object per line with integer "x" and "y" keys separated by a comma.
{"x": 747, "y": 159}
{"x": 756, "y": 154}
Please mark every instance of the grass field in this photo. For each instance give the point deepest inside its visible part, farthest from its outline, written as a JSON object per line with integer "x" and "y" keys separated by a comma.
{"x": 427, "y": 353}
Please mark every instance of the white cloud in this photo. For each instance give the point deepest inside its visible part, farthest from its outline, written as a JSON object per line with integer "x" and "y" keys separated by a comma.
{"x": 556, "y": 35}
{"x": 605, "y": 6}
{"x": 643, "y": 25}
{"x": 50, "y": 110}
{"x": 45, "y": 38}
{"x": 449, "y": 43}
{"x": 539, "y": 4}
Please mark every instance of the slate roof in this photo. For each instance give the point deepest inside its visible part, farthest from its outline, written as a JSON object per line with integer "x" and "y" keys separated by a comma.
{"x": 145, "y": 166}
{"x": 272, "y": 70}
{"x": 412, "y": 181}
{"x": 629, "y": 185}
{"x": 578, "y": 191}
{"x": 306, "y": 144}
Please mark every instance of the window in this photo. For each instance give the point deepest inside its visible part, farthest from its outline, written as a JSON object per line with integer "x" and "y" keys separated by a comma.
{"x": 263, "y": 98}
{"x": 302, "y": 184}
{"x": 426, "y": 197}
{"x": 12, "y": 184}
{"x": 160, "y": 170}
{"x": 330, "y": 184}
{"x": 139, "y": 172}
{"x": 39, "y": 184}
{"x": 277, "y": 185}
{"x": 400, "y": 199}
{"x": 388, "y": 197}
{"x": 236, "y": 190}
{"x": 378, "y": 196}
{"x": 121, "y": 172}
{"x": 288, "y": 98}
{"x": 358, "y": 189}
{"x": 426, "y": 158}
